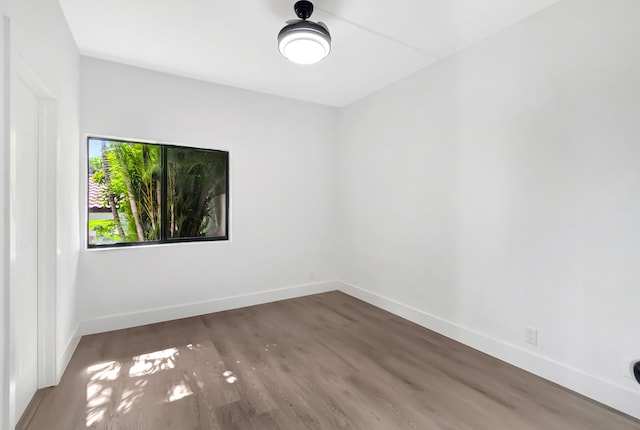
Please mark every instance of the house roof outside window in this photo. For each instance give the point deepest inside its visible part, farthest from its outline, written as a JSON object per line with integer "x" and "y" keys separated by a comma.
{"x": 95, "y": 190}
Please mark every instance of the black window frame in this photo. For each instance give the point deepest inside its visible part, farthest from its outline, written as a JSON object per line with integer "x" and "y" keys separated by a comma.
{"x": 163, "y": 200}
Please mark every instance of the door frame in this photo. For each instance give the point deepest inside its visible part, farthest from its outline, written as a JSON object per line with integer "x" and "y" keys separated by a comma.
{"x": 47, "y": 225}
{"x": 4, "y": 222}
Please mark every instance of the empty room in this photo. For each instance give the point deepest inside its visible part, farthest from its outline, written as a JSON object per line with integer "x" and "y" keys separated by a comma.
{"x": 281, "y": 214}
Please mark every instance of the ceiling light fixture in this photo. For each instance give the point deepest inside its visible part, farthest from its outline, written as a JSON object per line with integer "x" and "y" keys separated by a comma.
{"x": 302, "y": 41}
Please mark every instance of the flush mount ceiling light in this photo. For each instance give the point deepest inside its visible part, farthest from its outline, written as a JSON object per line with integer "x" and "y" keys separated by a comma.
{"x": 302, "y": 41}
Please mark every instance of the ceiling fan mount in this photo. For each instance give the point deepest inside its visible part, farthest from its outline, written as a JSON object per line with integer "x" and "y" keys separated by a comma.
{"x": 303, "y": 9}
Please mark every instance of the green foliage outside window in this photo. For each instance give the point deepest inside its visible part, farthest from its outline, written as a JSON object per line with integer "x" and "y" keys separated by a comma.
{"x": 156, "y": 193}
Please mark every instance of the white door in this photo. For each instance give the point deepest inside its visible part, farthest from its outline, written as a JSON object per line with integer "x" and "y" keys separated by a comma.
{"x": 24, "y": 242}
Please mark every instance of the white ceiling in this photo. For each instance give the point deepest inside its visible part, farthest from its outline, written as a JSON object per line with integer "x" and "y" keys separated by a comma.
{"x": 375, "y": 42}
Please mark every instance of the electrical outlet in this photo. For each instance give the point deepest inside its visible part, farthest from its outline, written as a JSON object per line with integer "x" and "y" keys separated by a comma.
{"x": 312, "y": 275}
{"x": 532, "y": 336}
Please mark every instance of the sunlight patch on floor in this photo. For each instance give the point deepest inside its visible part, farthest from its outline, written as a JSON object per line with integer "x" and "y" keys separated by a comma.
{"x": 229, "y": 377}
{"x": 178, "y": 392}
{"x": 131, "y": 396}
{"x": 109, "y": 371}
{"x": 196, "y": 347}
{"x": 148, "y": 364}
{"x": 98, "y": 399}
{"x": 102, "y": 396}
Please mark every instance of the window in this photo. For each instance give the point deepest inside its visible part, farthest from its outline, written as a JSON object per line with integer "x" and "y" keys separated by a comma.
{"x": 144, "y": 193}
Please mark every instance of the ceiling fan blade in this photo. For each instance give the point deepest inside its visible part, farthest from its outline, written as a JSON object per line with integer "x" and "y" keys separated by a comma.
{"x": 323, "y": 25}
{"x": 293, "y": 21}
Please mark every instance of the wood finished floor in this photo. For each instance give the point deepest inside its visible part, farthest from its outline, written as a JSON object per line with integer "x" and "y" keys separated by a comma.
{"x": 326, "y": 362}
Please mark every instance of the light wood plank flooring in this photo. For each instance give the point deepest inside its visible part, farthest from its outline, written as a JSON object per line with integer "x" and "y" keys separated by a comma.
{"x": 326, "y": 362}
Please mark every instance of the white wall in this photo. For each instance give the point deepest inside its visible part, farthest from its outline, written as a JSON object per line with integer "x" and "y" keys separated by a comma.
{"x": 499, "y": 190}
{"x": 4, "y": 285}
{"x": 41, "y": 39}
{"x": 282, "y": 187}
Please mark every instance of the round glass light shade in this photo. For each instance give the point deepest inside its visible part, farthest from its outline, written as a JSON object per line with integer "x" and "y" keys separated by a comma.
{"x": 304, "y": 42}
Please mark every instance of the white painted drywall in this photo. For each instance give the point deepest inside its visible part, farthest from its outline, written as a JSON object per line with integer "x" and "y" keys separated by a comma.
{"x": 282, "y": 192}
{"x": 499, "y": 190}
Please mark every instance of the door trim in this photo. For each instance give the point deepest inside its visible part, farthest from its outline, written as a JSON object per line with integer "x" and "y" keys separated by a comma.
{"x": 47, "y": 221}
{"x": 4, "y": 224}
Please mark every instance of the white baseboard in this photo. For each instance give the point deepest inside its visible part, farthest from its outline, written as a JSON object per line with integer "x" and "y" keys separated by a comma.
{"x": 116, "y": 322}
{"x": 603, "y": 391}
{"x": 65, "y": 357}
